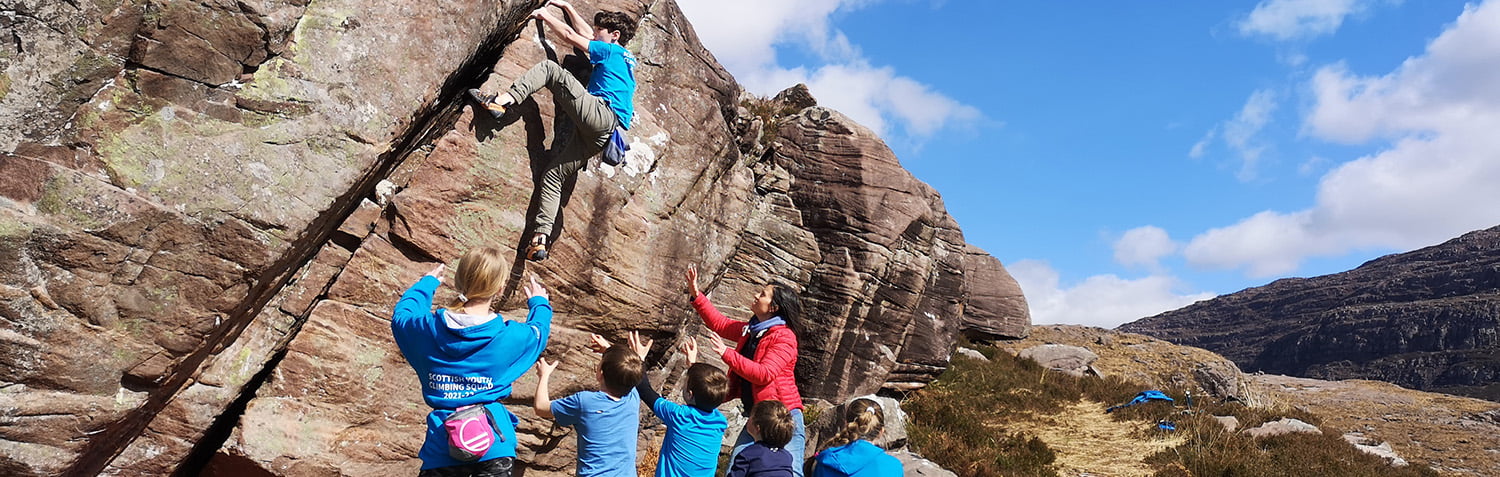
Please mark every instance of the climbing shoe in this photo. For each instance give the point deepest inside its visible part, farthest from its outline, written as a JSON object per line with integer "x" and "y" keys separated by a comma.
{"x": 488, "y": 101}
{"x": 538, "y": 249}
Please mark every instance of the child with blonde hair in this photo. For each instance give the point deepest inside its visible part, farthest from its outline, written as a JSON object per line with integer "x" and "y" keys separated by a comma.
{"x": 466, "y": 358}
{"x": 850, "y": 452}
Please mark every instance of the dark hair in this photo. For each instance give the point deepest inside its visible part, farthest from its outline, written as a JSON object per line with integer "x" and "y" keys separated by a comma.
{"x": 708, "y": 384}
{"x": 774, "y": 422}
{"x": 863, "y": 419}
{"x": 788, "y": 304}
{"x": 622, "y": 370}
{"x": 616, "y": 21}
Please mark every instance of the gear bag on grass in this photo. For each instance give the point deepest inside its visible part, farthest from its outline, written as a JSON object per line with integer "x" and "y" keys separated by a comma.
{"x": 614, "y": 152}
{"x": 471, "y": 431}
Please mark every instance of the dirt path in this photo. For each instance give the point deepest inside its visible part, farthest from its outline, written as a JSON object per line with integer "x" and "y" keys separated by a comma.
{"x": 1089, "y": 443}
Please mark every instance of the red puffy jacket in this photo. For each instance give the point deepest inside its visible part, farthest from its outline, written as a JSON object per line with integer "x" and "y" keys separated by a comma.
{"x": 772, "y": 374}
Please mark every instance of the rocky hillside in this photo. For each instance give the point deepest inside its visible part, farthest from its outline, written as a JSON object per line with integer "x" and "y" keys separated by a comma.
{"x": 208, "y": 208}
{"x": 1456, "y": 436}
{"x": 1427, "y": 319}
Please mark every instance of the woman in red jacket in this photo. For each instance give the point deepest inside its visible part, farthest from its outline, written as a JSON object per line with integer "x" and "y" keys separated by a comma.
{"x": 763, "y": 362}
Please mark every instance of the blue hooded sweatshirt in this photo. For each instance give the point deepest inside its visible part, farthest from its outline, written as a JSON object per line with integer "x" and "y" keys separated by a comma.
{"x": 471, "y": 365}
{"x": 857, "y": 459}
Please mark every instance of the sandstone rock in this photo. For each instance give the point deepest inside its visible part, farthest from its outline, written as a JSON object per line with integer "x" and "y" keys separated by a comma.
{"x": 831, "y": 420}
{"x": 1378, "y": 449}
{"x": 1422, "y": 319}
{"x": 914, "y": 465}
{"x": 211, "y": 206}
{"x": 1282, "y": 426}
{"x": 1068, "y": 359}
{"x": 972, "y": 354}
{"x": 1230, "y": 422}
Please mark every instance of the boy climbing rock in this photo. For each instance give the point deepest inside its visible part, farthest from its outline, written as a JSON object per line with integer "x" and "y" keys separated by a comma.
{"x": 597, "y": 110}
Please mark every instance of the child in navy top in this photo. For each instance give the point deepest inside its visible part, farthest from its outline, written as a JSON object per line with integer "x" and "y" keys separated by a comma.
{"x": 466, "y": 355}
{"x": 771, "y": 426}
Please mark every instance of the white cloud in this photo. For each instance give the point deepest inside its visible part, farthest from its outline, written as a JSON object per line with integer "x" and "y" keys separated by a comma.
{"x": 1293, "y": 19}
{"x": 1241, "y": 133}
{"x": 1144, "y": 246}
{"x": 1105, "y": 301}
{"x": 743, "y": 36}
{"x": 1435, "y": 180}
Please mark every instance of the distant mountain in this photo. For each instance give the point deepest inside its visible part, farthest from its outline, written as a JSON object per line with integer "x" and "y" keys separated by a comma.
{"x": 1427, "y": 319}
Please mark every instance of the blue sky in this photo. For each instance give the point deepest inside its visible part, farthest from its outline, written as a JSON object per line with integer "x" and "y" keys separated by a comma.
{"x": 1127, "y": 158}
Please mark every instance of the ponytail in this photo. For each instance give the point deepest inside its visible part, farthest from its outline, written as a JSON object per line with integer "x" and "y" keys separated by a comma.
{"x": 481, "y": 273}
{"x": 864, "y": 420}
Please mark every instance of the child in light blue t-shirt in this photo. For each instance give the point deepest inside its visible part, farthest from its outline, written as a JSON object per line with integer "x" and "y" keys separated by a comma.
{"x": 596, "y": 110}
{"x": 695, "y": 430}
{"x": 607, "y": 421}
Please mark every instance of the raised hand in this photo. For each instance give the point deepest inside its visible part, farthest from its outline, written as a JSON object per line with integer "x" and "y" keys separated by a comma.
{"x": 438, "y": 272}
{"x": 690, "y": 348}
{"x": 534, "y": 289}
{"x": 692, "y": 279}
{"x": 640, "y": 348}
{"x": 545, "y": 368}
{"x": 717, "y": 344}
{"x": 598, "y": 343}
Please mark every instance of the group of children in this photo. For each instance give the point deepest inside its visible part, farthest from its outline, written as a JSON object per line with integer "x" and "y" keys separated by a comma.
{"x": 467, "y": 357}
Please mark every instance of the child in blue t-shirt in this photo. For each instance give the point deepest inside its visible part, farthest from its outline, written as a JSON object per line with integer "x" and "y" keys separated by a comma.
{"x": 606, "y": 103}
{"x": 694, "y": 431}
{"x": 607, "y": 421}
{"x": 466, "y": 355}
{"x": 771, "y": 426}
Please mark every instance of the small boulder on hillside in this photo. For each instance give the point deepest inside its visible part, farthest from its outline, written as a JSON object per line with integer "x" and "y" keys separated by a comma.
{"x": 1230, "y": 422}
{"x": 914, "y": 465}
{"x": 974, "y": 354}
{"x": 1283, "y": 426}
{"x": 1068, "y": 359}
{"x": 1370, "y": 446}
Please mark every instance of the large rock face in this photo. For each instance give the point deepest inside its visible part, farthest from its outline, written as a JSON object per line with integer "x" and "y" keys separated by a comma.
{"x": 1427, "y": 319}
{"x": 198, "y": 271}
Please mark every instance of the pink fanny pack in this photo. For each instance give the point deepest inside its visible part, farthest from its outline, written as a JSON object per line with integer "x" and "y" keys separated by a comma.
{"x": 471, "y": 431}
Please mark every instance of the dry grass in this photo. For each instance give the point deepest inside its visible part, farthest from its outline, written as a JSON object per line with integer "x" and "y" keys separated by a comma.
{"x": 1010, "y": 417}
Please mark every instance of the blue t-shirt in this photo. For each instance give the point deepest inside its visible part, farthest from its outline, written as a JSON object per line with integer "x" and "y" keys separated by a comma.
{"x": 857, "y": 459}
{"x": 607, "y": 430}
{"x": 691, "y": 448}
{"x": 470, "y": 365}
{"x": 613, "y": 78}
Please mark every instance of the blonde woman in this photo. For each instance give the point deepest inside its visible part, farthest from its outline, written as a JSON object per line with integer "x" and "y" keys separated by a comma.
{"x": 466, "y": 355}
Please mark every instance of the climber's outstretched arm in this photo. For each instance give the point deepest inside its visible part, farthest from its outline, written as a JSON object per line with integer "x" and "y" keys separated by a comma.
{"x": 568, "y": 34}
{"x": 580, "y": 24}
